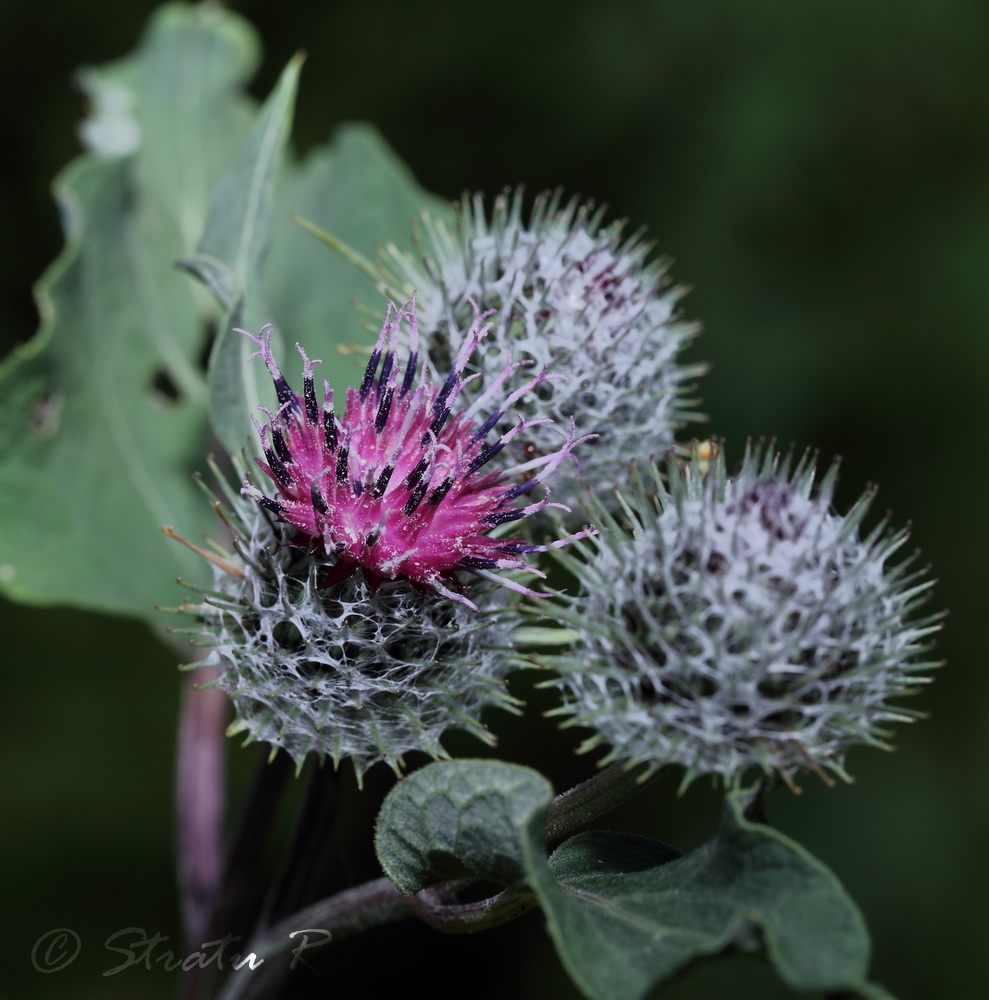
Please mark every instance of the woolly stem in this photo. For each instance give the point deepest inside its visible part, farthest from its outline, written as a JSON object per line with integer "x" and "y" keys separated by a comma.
{"x": 369, "y": 905}
{"x": 605, "y": 791}
{"x": 199, "y": 805}
{"x": 438, "y": 908}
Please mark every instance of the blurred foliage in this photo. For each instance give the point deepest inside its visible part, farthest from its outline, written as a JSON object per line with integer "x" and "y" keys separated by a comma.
{"x": 820, "y": 172}
{"x": 106, "y": 408}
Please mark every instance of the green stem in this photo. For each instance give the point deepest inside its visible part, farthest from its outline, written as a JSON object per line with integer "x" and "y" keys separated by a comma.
{"x": 607, "y": 790}
{"x": 438, "y": 908}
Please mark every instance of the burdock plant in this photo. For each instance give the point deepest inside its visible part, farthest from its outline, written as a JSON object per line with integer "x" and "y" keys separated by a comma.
{"x": 388, "y": 552}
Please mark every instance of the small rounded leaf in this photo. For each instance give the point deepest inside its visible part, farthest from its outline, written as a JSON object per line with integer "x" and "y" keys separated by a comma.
{"x": 462, "y": 819}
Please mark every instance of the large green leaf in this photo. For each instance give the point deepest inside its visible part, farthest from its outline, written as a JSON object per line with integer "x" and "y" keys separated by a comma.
{"x": 358, "y": 191}
{"x": 627, "y": 913}
{"x": 104, "y": 411}
{"x": 624, "y": 923}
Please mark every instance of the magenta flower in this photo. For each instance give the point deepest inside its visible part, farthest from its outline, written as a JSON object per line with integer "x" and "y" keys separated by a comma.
{"x": 401, "y": 487}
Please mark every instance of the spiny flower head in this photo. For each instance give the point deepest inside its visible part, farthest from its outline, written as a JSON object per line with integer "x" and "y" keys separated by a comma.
{"x": 575, "y": 297}
{"x": 738, "y": 623}
{"x": 348, "y": 672}
{"x": 338, "y": 621}
{"x": 403, "y": 486}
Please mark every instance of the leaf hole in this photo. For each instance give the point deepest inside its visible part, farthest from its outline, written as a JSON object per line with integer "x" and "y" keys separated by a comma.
{"x": 163, "y": 388}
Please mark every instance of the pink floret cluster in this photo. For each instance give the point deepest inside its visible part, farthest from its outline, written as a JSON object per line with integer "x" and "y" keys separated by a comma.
{"x": 403, "y": 485}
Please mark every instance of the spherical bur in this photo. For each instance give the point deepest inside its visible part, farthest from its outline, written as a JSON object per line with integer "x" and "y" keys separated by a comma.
{"x": 737, "y": 623}
{"x": 343, "y": 625}
{"x": 573, "y": 296}
{"x": 348, "y": 670}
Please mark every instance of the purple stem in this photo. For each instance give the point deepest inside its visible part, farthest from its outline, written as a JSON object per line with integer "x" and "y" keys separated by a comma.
{"x": 199, "y": 803}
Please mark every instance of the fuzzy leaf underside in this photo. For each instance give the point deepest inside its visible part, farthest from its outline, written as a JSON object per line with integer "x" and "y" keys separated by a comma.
{"x": 104, "y": 410}
{"x": 357, "y": 190}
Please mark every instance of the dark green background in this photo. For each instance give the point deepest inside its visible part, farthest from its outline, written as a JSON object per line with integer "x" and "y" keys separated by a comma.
{"x": 820, "y": 173}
